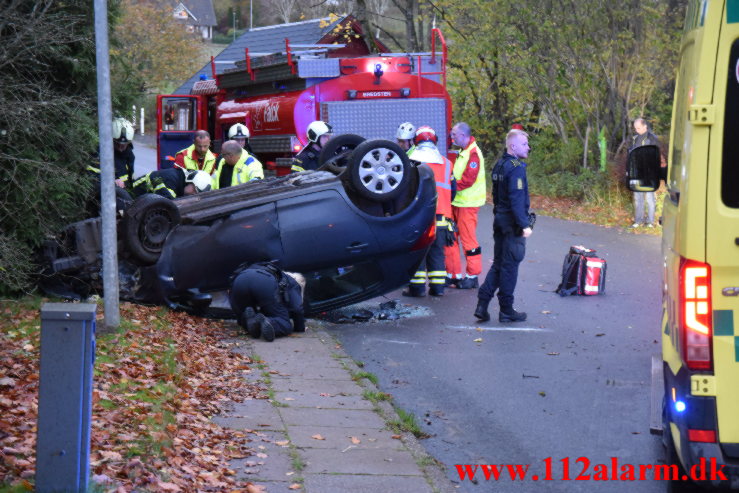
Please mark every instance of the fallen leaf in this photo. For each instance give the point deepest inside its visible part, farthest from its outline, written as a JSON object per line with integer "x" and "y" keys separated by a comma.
{"x": 295, "y": 486}
{"x": 478, "y": 340}
{"x": 254, "y": 488}
{"x": 553, "y": 354}
{"x": 7, "y": 381}
{"x": 168, "y": 487}
{"x": 289, "y": 399}
{"x": 543, "y": 394}
{"x": 546, "y": 312}
{"x": 317, "y": 437}
{"x": 283, "y": 443}
{"x": 355, "y": 440}
{"x": 479, "y": 329}
{"x": 600, "y": 334}
{"x": 395, "y": 437}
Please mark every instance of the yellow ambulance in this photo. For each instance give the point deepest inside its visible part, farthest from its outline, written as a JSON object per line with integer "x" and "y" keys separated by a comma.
{"x": 698, "y": 373}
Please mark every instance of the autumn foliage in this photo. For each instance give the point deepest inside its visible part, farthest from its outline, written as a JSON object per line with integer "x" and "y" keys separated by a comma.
{"x": 157, "y": 382}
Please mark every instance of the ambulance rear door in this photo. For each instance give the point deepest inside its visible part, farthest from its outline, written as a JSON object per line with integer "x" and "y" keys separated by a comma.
{"x": 722, "y": 230}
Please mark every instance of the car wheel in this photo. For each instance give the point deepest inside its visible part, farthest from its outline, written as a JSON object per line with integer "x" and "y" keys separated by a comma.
{"x": 379, "y": 170}
{"x": 146, "y": 224}
{"x": 335, "y": 154}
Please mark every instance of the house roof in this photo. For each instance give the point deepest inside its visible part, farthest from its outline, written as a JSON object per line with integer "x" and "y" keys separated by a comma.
{"x": 267, "y": 39}
{"x": 202, "y": 12}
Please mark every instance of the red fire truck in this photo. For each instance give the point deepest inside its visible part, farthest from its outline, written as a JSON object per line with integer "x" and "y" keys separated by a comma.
{"x": 277, "y": 96}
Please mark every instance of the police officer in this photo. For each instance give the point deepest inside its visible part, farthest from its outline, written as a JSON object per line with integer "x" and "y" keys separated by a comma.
{"x": 236, "y": 166}
{"x": 267, "y": 301}
{"x": 171, "y": 183}
{"x": 318, "y": 134}
{"x": 432, "y": 265}
{"x": 511, "y": 227}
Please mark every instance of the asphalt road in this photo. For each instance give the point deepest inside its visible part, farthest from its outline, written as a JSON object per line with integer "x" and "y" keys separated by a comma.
{"x": 146, "y": 155}
{"x": 572, "y": 381}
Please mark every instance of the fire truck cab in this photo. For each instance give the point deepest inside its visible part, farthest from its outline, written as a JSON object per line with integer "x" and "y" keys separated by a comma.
{"x": 277, "y": 96}
{"x": 696, "y": 379}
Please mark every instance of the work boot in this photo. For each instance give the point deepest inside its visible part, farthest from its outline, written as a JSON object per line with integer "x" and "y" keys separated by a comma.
{"x": 451, "y": 281}
{"x": 511, "y": 315}
{"x": 268, "y": 331}
{"x": 250, "y": 323}
{"x": 481, "y": 311}
{"x": 436, "y": 290}
{"x": 413, "y": 292}
{"x": 467, "y": 283}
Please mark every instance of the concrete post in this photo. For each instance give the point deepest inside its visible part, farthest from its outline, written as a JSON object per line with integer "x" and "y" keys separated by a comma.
{"x": 65, "y": 397}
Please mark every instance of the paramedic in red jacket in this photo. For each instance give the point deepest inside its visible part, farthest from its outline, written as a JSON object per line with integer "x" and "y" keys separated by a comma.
{"x": 198, "y": 155}
{"x": 425, "y": 152}
{"x": 469, "y": 171}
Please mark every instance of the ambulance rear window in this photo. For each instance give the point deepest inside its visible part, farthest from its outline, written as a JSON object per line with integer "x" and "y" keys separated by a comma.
{"x": 730, "y": 167}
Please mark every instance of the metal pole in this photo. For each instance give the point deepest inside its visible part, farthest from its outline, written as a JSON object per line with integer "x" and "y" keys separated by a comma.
{"x": 234, "y": 19}
{"x": 142, "y": 120}
{"x": 251, "y": 16}
{"x": 107, "y": 177}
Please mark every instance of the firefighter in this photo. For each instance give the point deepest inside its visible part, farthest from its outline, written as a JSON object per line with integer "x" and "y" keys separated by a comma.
{"x": 511, "y": 227}
{"x": 240, "y": 133}
{"x": 236, "y": 166}
{"x": 123, "y": 156}
{"x": 469, "y": 171}
{"x": 267, "y": 301}
{"x": 318, "y": 134}
{"x": 198, "y": 155}
{"x": 172, "y": 183}
{"x": 432, "y": 265}
{"x": 404, "y": 135}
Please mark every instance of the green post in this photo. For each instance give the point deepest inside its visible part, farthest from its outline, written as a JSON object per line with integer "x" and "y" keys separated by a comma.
{"x": 602, "y": 147}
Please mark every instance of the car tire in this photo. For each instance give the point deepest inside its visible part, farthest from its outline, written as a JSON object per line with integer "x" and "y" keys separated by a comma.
{"x": 379, "y": 170}
{"x": 335, "y": 154}
{"x": 146, "y": 225}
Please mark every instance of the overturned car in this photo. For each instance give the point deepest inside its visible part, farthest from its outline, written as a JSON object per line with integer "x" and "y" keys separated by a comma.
{"x": 356, "y": 228}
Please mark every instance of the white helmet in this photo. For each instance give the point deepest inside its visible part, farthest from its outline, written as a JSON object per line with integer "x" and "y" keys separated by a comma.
{"x": 406, "y": 131}
{"x": 200, "y": 179}
{"x": 122, "y": 130}
{"x": 316, "y": 129}
{"x": 238, "y": 131}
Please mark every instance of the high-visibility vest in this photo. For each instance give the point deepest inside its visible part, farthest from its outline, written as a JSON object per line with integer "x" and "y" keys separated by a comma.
{"x": 473, "y": 196}
{"x": 192, "y": 163}
{"x": 247, "y": 168}
{"x": 443, "y": 177}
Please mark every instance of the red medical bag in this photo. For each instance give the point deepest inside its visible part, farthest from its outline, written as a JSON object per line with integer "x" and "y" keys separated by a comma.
{"x": 582, "y": 273}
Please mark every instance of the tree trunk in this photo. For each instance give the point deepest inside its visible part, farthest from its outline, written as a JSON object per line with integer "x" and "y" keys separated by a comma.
{"x": 367, "y": 35}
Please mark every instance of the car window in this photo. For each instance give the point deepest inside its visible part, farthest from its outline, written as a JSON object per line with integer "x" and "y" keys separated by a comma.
{"x": 178, "y": 114}
{"x": 325, "y": 285}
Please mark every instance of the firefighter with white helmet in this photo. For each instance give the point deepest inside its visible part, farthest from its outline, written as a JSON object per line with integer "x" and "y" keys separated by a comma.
{"x": 123, "y": 156}
{"x": 240, "y": 133}
{"x": 318, "y": 134}
{"x": 172, "y": 183}
{"x": 236, "y": 166}
{"x": 405, "y": 134}
{"x": 432, "y": 266}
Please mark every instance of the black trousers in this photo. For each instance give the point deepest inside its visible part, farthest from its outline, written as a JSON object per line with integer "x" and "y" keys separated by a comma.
{"x": 259, "y": 290}
{"x": 508, "y": 252}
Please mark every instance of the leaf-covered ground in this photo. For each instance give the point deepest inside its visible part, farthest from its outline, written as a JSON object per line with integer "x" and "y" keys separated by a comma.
{"x": 157, "y": 382}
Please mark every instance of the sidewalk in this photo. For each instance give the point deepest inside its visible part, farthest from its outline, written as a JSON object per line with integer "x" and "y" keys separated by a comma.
{"x": 319, "y": 434}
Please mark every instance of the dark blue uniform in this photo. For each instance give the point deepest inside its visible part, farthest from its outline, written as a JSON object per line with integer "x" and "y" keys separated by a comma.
{"x": 271, "y": 292}
{"x": 511, "y": 211}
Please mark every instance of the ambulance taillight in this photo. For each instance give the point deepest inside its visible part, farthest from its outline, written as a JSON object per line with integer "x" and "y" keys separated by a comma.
{"x": 696, "y": 322}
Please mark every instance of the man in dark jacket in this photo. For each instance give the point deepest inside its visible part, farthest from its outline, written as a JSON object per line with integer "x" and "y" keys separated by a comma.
{"x": 318, "y": 134}
{"x": 511, "y": 227}
{"x": 267, "y": 301}
{"x": 643, "y": 137}
{"x": 171, "y": 183}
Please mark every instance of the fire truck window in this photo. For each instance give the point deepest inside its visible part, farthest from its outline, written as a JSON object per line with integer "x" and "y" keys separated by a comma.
{"x": 178, "y": 114}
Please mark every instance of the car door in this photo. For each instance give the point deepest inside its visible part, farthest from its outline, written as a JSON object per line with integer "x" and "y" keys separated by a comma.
{"x": 321, "y": 229}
